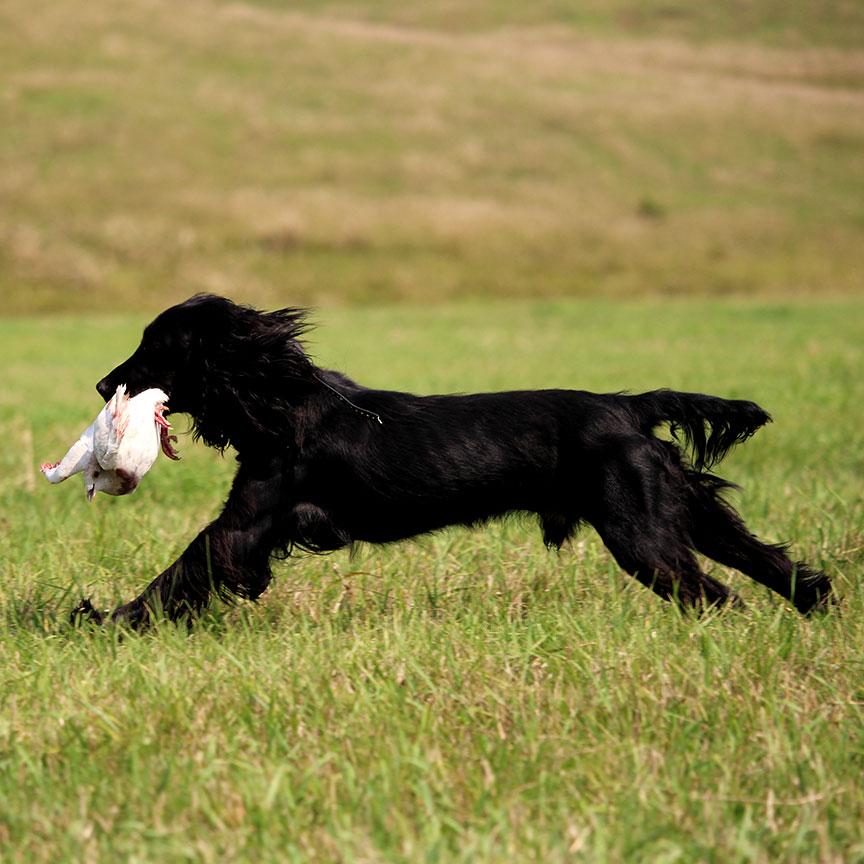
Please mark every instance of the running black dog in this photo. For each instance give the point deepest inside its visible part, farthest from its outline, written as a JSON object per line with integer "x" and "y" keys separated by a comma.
{"x": 325, "y": 462}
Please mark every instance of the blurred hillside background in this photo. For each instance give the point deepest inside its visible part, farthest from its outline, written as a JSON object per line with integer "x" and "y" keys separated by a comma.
{"x": 330, "y": 152}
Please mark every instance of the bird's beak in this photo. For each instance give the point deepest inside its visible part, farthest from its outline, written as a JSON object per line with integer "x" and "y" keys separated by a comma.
{"x": 91, "y": 491}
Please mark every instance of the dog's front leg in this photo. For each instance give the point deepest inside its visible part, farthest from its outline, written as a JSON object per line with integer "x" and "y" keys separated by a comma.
{"x": 230, "y": 556}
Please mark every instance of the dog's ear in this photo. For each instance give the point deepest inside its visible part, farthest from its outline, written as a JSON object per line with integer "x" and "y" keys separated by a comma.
{"x": 283, "y": 327}
{"x": 219, "y": 323}
{"x": 268, "y": 344}
{"x": 250, "y": 372}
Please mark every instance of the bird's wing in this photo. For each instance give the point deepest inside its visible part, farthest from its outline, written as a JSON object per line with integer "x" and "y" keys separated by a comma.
{"x": 80, "y": 453}
{"x": 110, "y": 427}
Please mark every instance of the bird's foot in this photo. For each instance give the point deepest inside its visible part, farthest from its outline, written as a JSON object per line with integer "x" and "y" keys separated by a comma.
{"x": 165, "y": 442}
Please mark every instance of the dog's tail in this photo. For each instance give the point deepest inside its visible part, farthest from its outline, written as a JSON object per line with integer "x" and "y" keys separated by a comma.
{"x": 710, "y": 426}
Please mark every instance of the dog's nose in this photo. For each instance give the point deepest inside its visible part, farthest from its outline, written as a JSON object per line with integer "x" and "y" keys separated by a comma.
{"x": 104, "y": 388}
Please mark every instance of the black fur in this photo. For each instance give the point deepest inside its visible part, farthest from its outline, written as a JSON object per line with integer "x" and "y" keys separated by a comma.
{"x": 325, "y": 462}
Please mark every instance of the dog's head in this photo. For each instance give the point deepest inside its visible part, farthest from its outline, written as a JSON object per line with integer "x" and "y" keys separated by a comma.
{"x": 170, "y": 347}
{"x": 211, "y": 355}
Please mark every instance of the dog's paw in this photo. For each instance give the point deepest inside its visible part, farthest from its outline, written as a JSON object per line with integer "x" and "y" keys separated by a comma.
{"x": 85, "y": 613}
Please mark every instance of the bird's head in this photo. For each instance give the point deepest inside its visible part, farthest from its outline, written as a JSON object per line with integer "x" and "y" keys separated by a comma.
{"x": 98, "y": 479}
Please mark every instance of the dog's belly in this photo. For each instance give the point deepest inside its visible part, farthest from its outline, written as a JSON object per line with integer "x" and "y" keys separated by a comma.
{"x": 388, "y": 521}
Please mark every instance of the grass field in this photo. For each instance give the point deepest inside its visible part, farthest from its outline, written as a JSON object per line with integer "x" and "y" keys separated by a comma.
{"x": 467, "y": 697}
{"x": 376, "y": 151}
{"x": 604, "y": 195}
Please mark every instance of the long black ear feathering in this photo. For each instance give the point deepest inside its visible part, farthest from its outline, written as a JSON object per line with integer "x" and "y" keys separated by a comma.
{"x": 254, "y": 368}
{"x": 290, "y": 323}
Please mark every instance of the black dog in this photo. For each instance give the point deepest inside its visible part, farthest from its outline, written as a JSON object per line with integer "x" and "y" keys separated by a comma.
{"x": 325, "y": 462}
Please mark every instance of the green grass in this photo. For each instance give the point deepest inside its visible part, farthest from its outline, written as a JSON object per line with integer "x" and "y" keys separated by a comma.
{"x": 469, "y": 696}
{"x": 377, "y": 151}
{"x": 466, "y": 697}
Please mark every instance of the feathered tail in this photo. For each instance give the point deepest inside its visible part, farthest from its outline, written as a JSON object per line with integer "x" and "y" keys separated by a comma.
{"x": 710, "y": 426}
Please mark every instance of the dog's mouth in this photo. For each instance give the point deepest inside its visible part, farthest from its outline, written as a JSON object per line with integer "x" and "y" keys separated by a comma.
{"x": 166, "y": 441}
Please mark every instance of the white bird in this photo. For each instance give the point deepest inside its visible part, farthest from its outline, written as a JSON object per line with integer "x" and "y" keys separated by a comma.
{"x": 120, "y": 446}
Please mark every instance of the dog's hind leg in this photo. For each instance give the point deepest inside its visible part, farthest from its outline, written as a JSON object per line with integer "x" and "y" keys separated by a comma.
{"x": 669, "y": 569}
{"x": 719, "y": 533}
{"x": 640, "y": 514}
